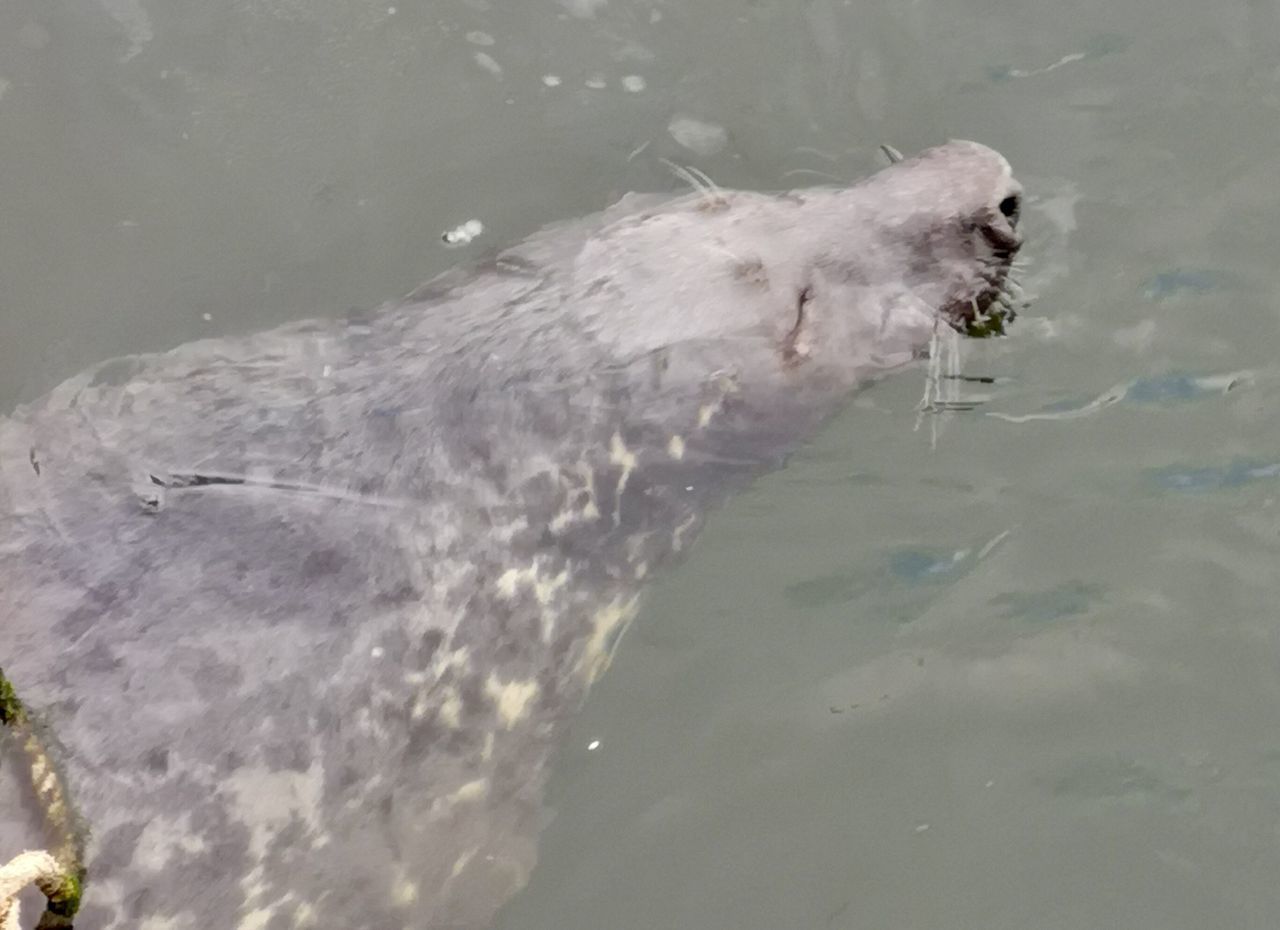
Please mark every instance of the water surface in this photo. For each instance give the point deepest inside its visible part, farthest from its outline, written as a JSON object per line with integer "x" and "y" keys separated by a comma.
{"x": 1023, "y": 674}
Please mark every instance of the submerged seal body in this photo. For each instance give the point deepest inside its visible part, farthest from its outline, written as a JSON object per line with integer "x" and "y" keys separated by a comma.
{"x": 303, "y": 611}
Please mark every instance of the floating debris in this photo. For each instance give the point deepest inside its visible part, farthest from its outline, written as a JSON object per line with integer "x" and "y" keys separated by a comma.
{"x": 697, "y": 135}
{"x": 1003, "y": 73}
{"x": 464, "y": 234}
{"x": 489, "y": 63}
{"x": 1099, "y": 46}
{"x": 917, "y": 566}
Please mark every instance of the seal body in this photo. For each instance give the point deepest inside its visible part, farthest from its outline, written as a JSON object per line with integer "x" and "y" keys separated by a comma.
{"x": 304, "y": 610}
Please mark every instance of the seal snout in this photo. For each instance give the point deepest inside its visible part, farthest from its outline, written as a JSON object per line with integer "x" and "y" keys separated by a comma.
{"x": 1001, "y": 232}
{"x": 1011, "y": 208}
{"x": 1004, "y": 240}
{"x": 983, "y": 305}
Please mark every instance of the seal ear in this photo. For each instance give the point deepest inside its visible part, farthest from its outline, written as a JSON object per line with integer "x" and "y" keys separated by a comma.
{"x": 795, "y": 347}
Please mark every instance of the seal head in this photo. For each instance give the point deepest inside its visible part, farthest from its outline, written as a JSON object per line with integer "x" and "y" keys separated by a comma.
{"x": 968, "y": 237}
{"x": 943, "y": 229}
{"x": 306, "y": 610}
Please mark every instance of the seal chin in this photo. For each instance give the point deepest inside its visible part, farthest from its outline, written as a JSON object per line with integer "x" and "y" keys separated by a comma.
{"x": 982, "y": 316}
{"x": 986, "y": 310}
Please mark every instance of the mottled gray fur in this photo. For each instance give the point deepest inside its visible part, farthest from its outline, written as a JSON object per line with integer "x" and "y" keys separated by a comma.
{"x": 306, "y": 609}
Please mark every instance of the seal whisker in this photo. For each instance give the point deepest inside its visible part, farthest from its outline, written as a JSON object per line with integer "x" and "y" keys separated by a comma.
{"x": 703, "y": 177}
{"x": 699, "y": 181}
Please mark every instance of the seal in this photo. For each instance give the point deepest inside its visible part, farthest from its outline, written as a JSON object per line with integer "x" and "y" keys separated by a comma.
{"x": 303, "y": 612}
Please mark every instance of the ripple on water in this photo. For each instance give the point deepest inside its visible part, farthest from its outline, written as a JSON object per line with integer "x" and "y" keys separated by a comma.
{"x": 1110, "y": 779}
{"x": 892, "y": 577}
{"x": 1069, "y": 599}
{"x": 1213, "y": 477}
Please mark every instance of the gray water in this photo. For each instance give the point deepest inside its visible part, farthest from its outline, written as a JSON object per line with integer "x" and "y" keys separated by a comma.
{"x": 1016, "y": 668}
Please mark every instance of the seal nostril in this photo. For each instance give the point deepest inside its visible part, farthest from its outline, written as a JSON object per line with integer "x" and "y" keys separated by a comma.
{"x": 1011, "y": 206}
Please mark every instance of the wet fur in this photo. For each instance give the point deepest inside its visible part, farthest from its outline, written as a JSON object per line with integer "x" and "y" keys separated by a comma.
{"x": 308, "y": 608}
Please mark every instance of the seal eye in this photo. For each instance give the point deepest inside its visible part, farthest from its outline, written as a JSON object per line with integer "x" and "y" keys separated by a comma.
{"x": 1011, "y": 206}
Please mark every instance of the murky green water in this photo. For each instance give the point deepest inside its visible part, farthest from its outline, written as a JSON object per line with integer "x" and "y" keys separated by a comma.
{"x": 1025, "y": 675}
